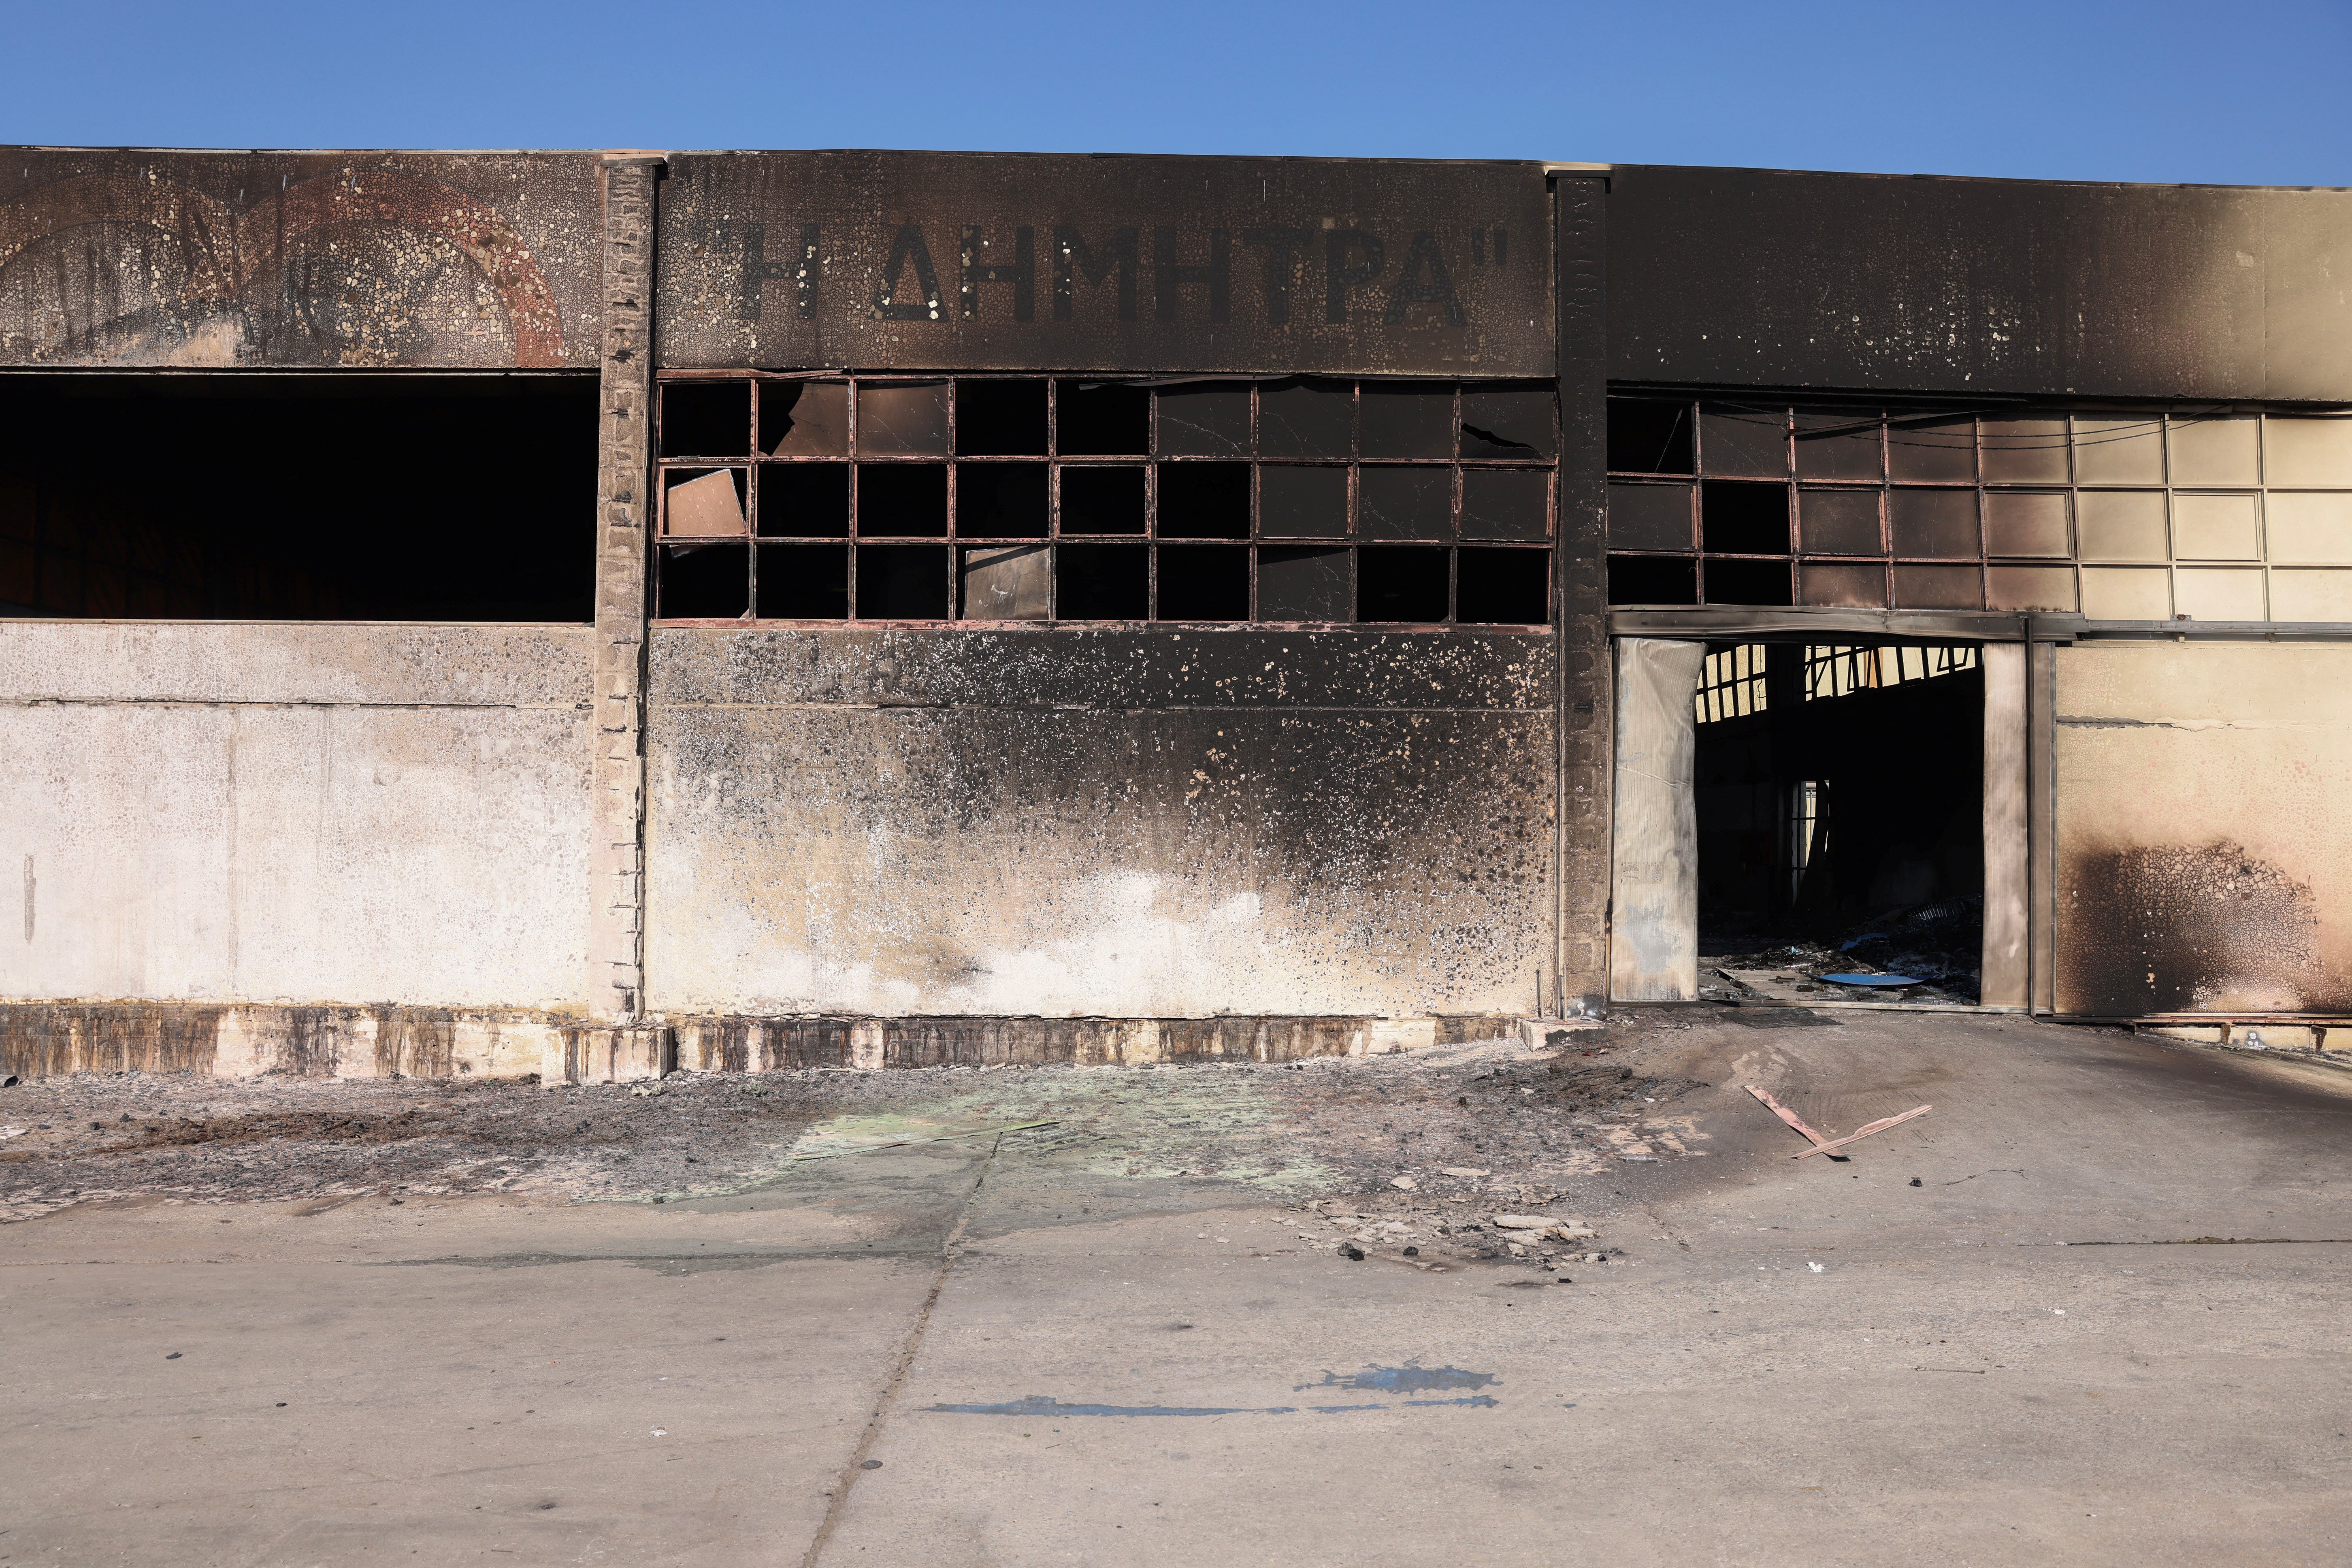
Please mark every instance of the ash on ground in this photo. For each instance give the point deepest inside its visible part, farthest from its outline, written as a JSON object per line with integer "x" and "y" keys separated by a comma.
{"x": 1542, "y": 1129}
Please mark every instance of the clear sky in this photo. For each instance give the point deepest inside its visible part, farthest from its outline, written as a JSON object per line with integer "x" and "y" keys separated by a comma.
{"x": 2256, "y": 92}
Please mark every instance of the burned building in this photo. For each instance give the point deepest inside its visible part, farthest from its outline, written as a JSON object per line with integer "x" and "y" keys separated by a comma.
{"x": 570, "y": 612}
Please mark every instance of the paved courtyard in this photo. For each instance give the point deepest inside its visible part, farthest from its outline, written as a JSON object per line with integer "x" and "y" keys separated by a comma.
{"x": 2088, "y": 1310}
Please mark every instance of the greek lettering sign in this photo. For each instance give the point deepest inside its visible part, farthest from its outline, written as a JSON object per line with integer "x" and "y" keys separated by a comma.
{"x": 919, "y": 260}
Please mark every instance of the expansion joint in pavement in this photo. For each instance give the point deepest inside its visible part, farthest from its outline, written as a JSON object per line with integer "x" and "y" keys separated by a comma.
{"x": 839, "y": 1507}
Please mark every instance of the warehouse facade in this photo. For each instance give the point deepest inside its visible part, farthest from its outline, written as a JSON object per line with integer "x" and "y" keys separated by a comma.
{"x": 570, "y": 612}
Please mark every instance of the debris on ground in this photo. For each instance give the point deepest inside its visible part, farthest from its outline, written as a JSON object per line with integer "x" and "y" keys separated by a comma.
{"x": 1440, "y": 1134}
{"x": 1822, "y": 1144}
{"x": 1936, "y": 948}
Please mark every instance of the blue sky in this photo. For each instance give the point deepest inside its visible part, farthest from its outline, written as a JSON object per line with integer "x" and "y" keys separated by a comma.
{"x": 2156, "y": 91}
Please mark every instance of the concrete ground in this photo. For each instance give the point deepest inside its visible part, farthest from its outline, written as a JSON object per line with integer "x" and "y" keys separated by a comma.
{"x": 2001, "y": 1333}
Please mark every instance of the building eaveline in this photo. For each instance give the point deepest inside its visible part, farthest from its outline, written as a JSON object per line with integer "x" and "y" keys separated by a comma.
{"x": 579, "y": 612}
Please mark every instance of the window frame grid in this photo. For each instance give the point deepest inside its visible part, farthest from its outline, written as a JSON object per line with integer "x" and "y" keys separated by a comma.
{"x": 1890, "y": 419}
{"x": 1451, "y": 538}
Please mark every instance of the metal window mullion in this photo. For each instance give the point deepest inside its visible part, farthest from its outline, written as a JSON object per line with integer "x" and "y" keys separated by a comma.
{"x": 1151, "y": 536}
{"x": 857, "y": 496}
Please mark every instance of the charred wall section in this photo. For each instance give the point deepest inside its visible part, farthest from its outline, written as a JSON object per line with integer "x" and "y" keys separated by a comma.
{"x": 297, "y": 261}
{"x": 2202, "y": 865}
{"x": 306, "y": 814}
{"x": 998, "y": 262}
{"x": 1747, "y": 277}
{"x": 1147, "y": 823}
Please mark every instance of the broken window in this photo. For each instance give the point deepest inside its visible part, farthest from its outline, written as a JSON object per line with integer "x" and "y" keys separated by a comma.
{"x": 870, "y": 498}
{"x": 249, "y": 498}
{"x": 2119, "y": 513}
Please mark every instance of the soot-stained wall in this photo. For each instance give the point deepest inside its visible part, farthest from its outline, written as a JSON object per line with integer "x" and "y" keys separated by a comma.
{"x": 1765, "y": 277}
{"x": 348, "y": 813}
{"x": 1121, "y": 823}
{"x": 225, "y": 260}
{"x": 2200, "y": 794}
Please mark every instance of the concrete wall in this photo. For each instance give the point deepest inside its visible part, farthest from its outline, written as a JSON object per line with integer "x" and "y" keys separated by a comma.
{"x": 218, "y": 260}
{"x": 310, "y": 814}
{"x": 1765, "y": 278}
{"x": 1124, "y": 823}
{"x": 2200, "y": 794}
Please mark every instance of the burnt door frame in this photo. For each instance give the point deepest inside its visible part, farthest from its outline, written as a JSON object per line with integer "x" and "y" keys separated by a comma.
{"x": 2017, "y": 659}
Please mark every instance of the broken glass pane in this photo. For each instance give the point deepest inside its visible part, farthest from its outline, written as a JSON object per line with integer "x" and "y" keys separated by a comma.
{"x": 703, "y": 582}
{"x": 1405, "y": 504}
{"x": 1400, "y": 583}
{"x": 1503, "y": 587}
{"x": 1098, "y": 420}
{"x": 1407, "y": 419}
{"x": 1102, "y": 500}
{"x": 902, "y": 498}
{"x": 1296, "y": 502}
{"x": 1204, "y": 583}
{"x": 902, "y": 417}
{"x": 1511, "y": 422}
{"x": 1305, "y": 419}
{"x": 1306, "y": 584}
{"x": 1837, "y": 444}
{"x": 902, "y": 581}
{"x": 1506, "y": 503}
{"x": 1651, "y": 517}
{"x": 1001, "y": 500}
{"x": 804, "y": 499}
{"x": 1744, "y": 439}
{"x": 1000, "y": 418}
{"x": 1646, "y": 436}
{"x": 1204, "y": 500}
{"x": 699, "y": 504}
{"x": 803, "y": 418}
{"x": 1209, "y": 419}
{"x": 1005, "y": 584}
{"x": 705, "y": 419}
{"x": 804, "y": 582}
{"x": 1103, "y": 582}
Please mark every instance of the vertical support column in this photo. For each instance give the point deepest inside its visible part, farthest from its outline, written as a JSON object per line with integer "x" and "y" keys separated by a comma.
{"x": 2041, "y": 823}
{"x": 1653, "y": 901}
{"x": 2004, "y": 968}
{"x": 1581, "y": 598}
{"x": 616, "y": 859}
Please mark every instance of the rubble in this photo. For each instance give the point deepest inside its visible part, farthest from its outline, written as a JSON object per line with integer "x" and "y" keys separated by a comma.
{"x": 1938, "y": 945}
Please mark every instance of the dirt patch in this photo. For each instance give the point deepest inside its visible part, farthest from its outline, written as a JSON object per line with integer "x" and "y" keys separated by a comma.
{"x": 1292, "y": 1131}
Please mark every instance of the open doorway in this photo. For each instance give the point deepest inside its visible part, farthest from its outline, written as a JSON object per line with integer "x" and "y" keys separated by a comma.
{"x": 1840, "y": 806}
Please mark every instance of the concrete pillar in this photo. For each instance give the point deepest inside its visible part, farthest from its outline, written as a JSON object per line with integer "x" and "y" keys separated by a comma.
{"x": 2005, "y": 969}
{"x": 1580, "y": 623}
{"x": 1653, "y": 901}
{"x": 617, "y": 862}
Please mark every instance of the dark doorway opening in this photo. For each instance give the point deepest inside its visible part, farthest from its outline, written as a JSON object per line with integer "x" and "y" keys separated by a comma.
{"x": 1840, "y": 799}
{"x": 344, "y": 497}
